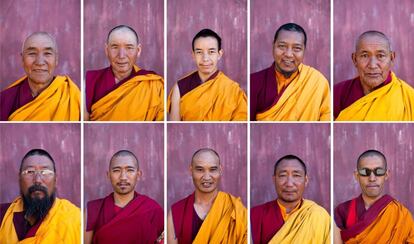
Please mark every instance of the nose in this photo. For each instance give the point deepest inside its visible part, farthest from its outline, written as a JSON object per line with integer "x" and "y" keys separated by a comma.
{"x": 37, "y": 177}
{"x": 289, "y": 52}
{"x": 372, "y": 177}
{"x": 289, "y": 181}
{"x": 40, "y": 59}
{"x": 123, "y": 174}
{"x": 372, "y": 62}
{"x": 206, "y": 176}
{"x": 122, "y": 52}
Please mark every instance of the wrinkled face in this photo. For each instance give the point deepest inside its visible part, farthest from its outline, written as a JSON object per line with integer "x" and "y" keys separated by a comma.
{"x": 288, "y": 51}
{"x": 290, "y": 181}
{"x": 123, "y": 174}
{"x": 206, "y": 172}
{"x": 373, "y": 60}
{"x": 39, "y": 57}
{"x": 122, "y": 51}
{"x": 371, "y": 186}
{"x": 206, "y": 55}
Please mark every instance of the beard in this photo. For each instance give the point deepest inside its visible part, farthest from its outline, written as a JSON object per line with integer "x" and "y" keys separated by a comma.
{"x": 36, "y": 207}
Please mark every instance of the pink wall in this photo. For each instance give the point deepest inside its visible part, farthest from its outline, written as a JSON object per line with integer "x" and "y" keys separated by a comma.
{"x": 146, "y": 141}
{"x": 145, "y": 16}
{"x": 227, "y": 18}
{"x": 20, "y": 18}
{"x": 396, "y": 141}
{"x": 62, "y": 141}
{"x": 310, "y": 142}
{"x": 228, "y": 140}
{"x": 394, "y": 18}
{"x": 268, "y": 15}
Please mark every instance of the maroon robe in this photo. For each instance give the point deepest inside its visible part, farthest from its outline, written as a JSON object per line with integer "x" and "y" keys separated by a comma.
{"x": 14, "y": 98}
{"x": 140, "y": 221}
{"x": 100, "y": 83}
{"x": 349, "y": 91}
{"x": 352, "y": 217}
{"x": 191, "y": 82}
{"x": 266, "y": 221}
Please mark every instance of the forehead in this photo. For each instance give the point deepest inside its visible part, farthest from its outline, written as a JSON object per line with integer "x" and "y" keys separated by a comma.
{"x": 37, "y": 161}
{"x": 290, "y": 165}
{"x": 373, "y": 43}
{"x": 371, "y": 162}
{"x": 122, "y": 36}
{"x": 205, "y": 43}
{"x": 39, "y": 41}
{"x": 205, "y": 159}
{"x": 290, "y": 37}
{"x": 123, "y": 161}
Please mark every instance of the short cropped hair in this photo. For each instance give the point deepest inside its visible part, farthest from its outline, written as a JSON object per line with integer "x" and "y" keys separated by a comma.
{"x": 207, "y": 33}
{"x": 40, "y": 152}
{"x": 291, "y": 27}
{"x": 370, "y": 153}
{"x": 289, "y": 157}
{"x": 122, "y": 27}
{"x": 203, "y": 150}
{"x": 124, "y": 153}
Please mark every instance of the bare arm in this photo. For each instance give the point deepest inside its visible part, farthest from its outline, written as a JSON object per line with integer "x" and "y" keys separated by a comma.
{"x": 175, "y": 104}
{"x": 171, "y": 239}
{"x": 337, "y": 235}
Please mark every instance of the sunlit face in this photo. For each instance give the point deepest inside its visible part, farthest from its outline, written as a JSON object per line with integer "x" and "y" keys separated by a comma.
{"x": 206, "y": 172}
{"x": 290, "y": 181}
{"x": 123, "y": 174}
{"x": 372, "y": 186}
{"x": 206, "y": 55}
{"x": 39, "y": 58}
{"x": 373, "y": 60}
{"x": 288, "y": 51}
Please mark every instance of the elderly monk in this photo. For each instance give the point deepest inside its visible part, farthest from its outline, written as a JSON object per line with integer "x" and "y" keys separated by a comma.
{"x": 289, "y": 89}
{"x": 373, "y": 217}
{"x": 290, "y": 218}
{"x": 207, "y": 93}
{"x": 37, "y": 215}
{"x": 124, "y": 91}
{"x": 40, "y": 95}
{"x": 377, "y": 94}
{"x": 124, "y": 216}
{"x": 207, "y": 215}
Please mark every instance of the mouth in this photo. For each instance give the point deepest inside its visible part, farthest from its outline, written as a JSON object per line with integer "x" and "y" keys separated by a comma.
{"x": 40, "y": 70}
{"x": 372, "y": 186}
{"x": 373, "y": 75}
{"x": 288, "y": 62}
{"x": 206, "y": 184}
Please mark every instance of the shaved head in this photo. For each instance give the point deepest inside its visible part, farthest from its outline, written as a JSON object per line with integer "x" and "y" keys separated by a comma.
{"x": 372, "y": 33}
{"x": 40, "y": 35}
{"x": 124, "y": 153}
{"x": 205, "y": 152}
{"x": 122, "y": 29}
{"x": 372, "y": 153}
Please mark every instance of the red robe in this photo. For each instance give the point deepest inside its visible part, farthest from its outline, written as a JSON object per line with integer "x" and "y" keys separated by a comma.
{"x": 266, "y": 221}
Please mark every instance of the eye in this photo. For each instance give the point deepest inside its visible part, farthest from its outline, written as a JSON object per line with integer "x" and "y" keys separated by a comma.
{"x": 297, "y": 49}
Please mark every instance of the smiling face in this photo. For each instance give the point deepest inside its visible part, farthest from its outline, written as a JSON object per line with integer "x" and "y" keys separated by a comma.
{"x": 288, "y": 51}
{"x": 206, "y": 55}
{"x": 206, "y": 172}
{"x": 124, "y": 174}
{"x": 372, "y": 186}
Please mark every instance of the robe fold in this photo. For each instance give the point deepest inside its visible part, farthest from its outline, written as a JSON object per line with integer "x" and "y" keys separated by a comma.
{"x": 226, "y": 222}
{"x": 60, "y": 226}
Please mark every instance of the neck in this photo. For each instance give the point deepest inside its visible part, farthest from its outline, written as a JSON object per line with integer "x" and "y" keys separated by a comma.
{"x": 284, "y": 73}
{"x": 204, "y": 77}
{"x": 122, "y": 200}
{"x": 369, "y": 201}
{"x": 121, "y": 76}
{"x": 205, "y": 198}
{"x": 36, "y": 88}
{"x": 289, "y": 206}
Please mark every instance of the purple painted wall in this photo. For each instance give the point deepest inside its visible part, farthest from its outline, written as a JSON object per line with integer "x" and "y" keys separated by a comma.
{"x": 396, "y": 141}
{"x": 310, "y": 142}
{"x": 227, "y": 18}
{"x": 62, "y": 141}
{"x": 145, "y": 16}
{"x": 20, "y": 18}
{"x": 268, "y": 15}
{"x": 394, "y": 18}
{"x": 228, "y": 140}
{"x": 146, "y": 141}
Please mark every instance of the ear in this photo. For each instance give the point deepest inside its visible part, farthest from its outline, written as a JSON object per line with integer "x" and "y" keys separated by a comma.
{"x": 190, "y": 169}
{"x": 354, "y": 59}
{"x": 220, "y": 53}
{"x": 392, "y": 57}
{"x": 221, "y": 169}
{"x": 139, "y": 174}
{"x": 139, "y": 49}
{"x": 387, "y": 174}
{"x": 106, "y": 50}
{"x": 193, "y": 55}
{"x": 356, "y": 176}
{"x": 306, "y": 180}
{"x": 107, "y": 175}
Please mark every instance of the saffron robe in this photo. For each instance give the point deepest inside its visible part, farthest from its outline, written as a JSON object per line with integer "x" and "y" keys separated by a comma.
{"x": 217, "y": 99}
{"x": 310, "y": 223}
{"x": 60, "y": 101}
{"x": 306, "y": 98}
{"x": 226, "y": 222}
{"x": 61, "y": 225}
{"x": 393, "y": 101}
{"x": 140, "y": 221}
{"x": 139, "y": 97}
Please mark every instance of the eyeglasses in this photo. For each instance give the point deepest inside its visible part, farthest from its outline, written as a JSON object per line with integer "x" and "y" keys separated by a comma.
{"x": 44, "y": 173}
{"x": 376, "y": 171}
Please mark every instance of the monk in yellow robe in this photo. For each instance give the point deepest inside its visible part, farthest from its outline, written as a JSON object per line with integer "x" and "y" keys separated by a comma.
{"x": 373, "y": 217}
{"x": 39, "y": 95}
{"x": 377, "y": 94}
{"x": 38, "y": 216}
{"x": 207, "y": 94}
{"x": 290, "y": 218}
{"x": 207, "y": 215}
{"x": 124, "y": 91}
{"x": 289, "y": 90}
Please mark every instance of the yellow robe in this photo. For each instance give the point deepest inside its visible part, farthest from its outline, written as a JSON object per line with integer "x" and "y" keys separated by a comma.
{"x": 307, "y": 98}
{"x": 60, "y": 101}
{"x": 140, "y": 98}
{"x": 218, "y": 99}
{"x": 62, "y": 225}
{"x": 226, "y": 222}
{"x": 392, "y": 102}
{"x": 309, "y": 224}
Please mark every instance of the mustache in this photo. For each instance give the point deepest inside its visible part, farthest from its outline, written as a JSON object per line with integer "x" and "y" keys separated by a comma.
{"x": 34, "y": 188}
{"x": 37, "y": 207}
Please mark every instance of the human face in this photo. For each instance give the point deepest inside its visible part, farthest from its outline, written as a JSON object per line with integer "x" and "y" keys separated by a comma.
{"x": 373, "y": 60}
{"x": 206, "y": 55}
{"x": 123, "y": 174}
{"x": 372, "y": 186}
{"x": 47, "y": 181}
{"x": 122, "y": 51}
{"x": 288, "y": 51}
{"x": 290, "y": 181}
{"x": 39, "y": 58}
{"x": 206, "y": 172}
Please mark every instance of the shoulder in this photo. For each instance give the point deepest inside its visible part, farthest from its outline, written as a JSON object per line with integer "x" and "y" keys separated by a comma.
{"x": 343, "y": 85}
{"x": 3, "y": 209}
{"x": 95, "y": 204}
{"x": 187, "y": 78}
{"x": 92, "y": 75}
{"x": 259, "y": 210}
{"x": 254, "y": 77}
{"x": 151, "y": 202}
{"x": 314, "y": 74}
{"x": 317, "y": 210}
{"x": 67, "y": 206}
{"x": 181, "y": 203}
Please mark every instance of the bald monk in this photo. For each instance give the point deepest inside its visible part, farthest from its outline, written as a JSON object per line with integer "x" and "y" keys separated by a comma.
{"x": 373, "y": 216}
{"x": 124, "y": 216}
{"x": 38, "y": 215}
{"x": 207, "y": 94}
{"x": 40, "y": 95}
{"x": 377, "y": 94}
{"x": 124, "y": 91}
{"x": 290, "y": 218}
{"x": 288, "y": 89}
{"x": 207, "y": 215}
